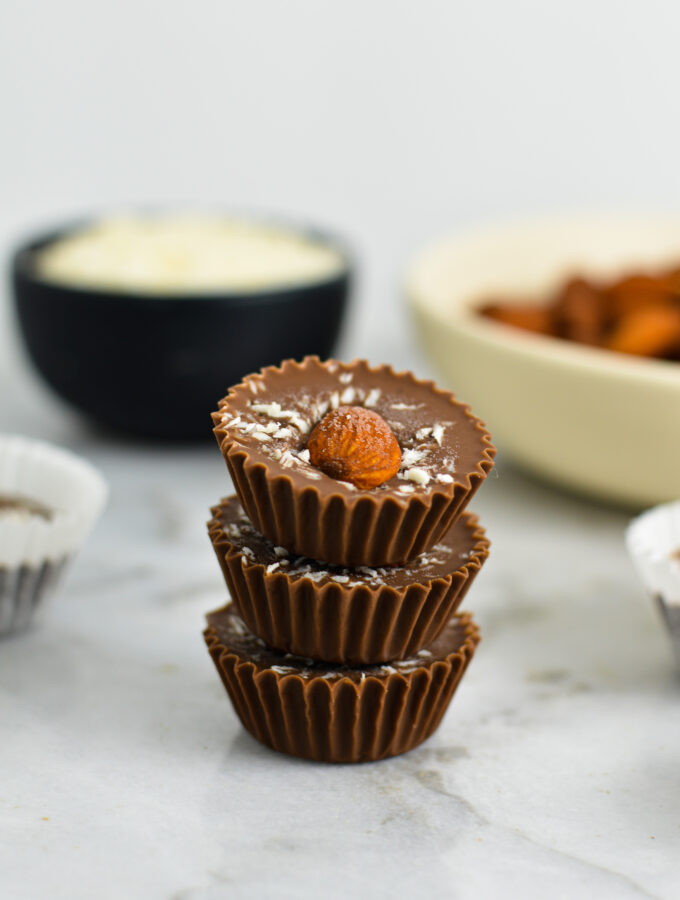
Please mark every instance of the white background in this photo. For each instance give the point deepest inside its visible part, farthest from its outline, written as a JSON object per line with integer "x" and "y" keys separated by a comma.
{"x": 387, "y": 121}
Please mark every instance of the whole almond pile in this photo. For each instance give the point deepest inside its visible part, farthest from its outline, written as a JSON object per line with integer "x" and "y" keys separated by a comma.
{"x": 637, "y": 314}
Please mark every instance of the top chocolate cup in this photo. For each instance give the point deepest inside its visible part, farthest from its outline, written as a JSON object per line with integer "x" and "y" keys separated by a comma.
{"x": 262, "y": 427}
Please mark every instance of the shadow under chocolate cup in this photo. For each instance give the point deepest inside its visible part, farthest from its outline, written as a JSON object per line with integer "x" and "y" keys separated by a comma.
{"x": 262, "y": 427}
{"x": 341, "y": 715}
{"x": 353, "y": 616}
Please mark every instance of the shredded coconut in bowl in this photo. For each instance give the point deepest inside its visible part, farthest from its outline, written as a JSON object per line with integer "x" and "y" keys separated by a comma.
{"x": 186, "y": 254}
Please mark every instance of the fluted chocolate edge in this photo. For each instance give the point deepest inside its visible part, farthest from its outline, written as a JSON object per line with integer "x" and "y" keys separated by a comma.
{"x": 363, "y": 529}
{"x": 337, "y": 623}
{"x": 343, "y": 721}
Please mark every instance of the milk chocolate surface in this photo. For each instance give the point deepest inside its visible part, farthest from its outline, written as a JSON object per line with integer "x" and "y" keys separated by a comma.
{"x": 453, "y": 551}
{"x": 233, "y": 634}
{"x": 440, "y": 440}
{"x": 338, "y": 714}
{"x": 355, "y": 616}
{"x": 263, "y": 425}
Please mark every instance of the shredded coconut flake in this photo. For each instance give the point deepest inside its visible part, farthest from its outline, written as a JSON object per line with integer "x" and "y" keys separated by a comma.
{"x": 347, "y": 395}
{"x": 443, "y": 478}
{"x": 301, "y": 424}
{"x": 273, "y": 409}
{"x": 373, "y": 397}
{"x": 420, "y": 476}
{"x": 287, "y": 459}
{"x": 303, "y": 455}
{"x": 410, "y": 457}
{"x": 423, "y": 433}
{"x": 238, "y": 626}
{"x": 272, "y": 567}
{"x": 345, "y": 377}
{"x": 314, "y": 576}
{"x": 438, "y": 433}
{"x": 320, "y": 410}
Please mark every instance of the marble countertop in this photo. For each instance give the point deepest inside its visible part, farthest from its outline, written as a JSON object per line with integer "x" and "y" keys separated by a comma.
{"x": 125, "y": 772}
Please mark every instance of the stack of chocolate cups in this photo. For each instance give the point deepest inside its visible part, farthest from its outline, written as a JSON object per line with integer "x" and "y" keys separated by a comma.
{"x": 342, "y": 642}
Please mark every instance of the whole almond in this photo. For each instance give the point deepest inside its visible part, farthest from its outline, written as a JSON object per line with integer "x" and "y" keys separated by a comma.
{"x": 355, "y": 444}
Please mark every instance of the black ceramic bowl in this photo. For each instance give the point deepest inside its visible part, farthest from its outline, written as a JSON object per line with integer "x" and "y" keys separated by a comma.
{"x": 156, "y": 365}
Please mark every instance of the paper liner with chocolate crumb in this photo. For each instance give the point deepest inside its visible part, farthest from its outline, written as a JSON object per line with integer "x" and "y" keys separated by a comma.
{"x": 353, "y": 616}
{"x": 263, "y": 425}
{"x": 49, "y": 501}
{"x": 653, "y": 541}
{"x": 342, "y": 715}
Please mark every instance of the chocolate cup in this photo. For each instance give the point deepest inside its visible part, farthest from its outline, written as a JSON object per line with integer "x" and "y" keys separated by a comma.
{"x": 345, "y": 715}
{"x": 356, "y": 623}
{"x": 311, "y": 514}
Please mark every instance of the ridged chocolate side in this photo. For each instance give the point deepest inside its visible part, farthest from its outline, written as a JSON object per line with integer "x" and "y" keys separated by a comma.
{"x": 22, "y": 593}
{"x": 342, "y": 721}
{"x": 337, "y": 623}
{"x": 370, "y": 529}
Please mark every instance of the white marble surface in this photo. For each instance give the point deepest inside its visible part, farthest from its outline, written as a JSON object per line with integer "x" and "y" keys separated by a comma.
{"x": 125, "y": 773}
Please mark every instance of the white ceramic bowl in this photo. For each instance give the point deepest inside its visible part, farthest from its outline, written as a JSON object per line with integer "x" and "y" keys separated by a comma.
{"x": 591, "y": 420}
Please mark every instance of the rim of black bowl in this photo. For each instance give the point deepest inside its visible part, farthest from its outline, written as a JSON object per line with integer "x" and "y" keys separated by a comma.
{"x": 23, "y": 260}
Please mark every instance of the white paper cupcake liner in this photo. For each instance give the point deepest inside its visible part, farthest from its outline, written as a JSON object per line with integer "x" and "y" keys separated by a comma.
{"x": 653, "y": 541}
{"x": 33, "y": 550}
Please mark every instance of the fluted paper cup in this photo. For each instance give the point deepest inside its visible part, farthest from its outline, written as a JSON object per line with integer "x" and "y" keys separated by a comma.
{"x": 49, "y": 501}
{"x": 653, "y": 541}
